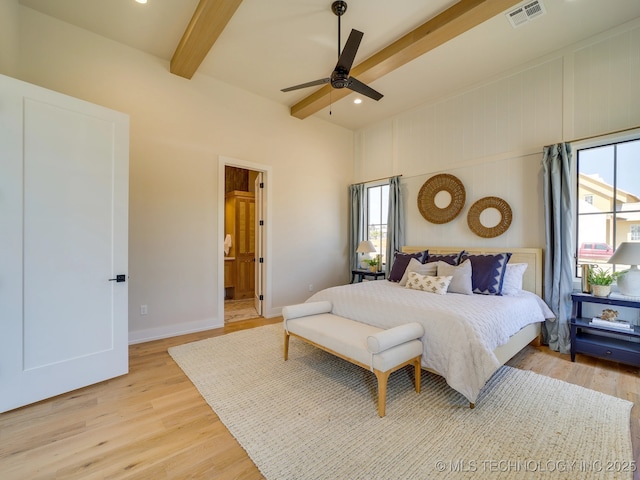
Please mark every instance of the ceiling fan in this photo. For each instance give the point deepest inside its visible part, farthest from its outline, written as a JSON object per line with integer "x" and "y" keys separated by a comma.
{"x": 340, "y": 76}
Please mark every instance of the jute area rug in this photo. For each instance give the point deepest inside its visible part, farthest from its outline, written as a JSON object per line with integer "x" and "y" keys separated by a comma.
{"x": 315, "y": 417}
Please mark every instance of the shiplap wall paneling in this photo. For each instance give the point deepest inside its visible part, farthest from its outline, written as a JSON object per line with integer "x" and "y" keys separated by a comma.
{"x": 516, "y": 113}
{"x": 607, "y": 85}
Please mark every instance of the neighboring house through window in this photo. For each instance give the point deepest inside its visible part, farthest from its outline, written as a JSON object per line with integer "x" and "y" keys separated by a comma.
{"x": 608, "y": 199}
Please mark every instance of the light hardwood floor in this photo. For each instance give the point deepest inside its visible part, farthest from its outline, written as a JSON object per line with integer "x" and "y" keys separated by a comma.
{"x": 153, "y": 424}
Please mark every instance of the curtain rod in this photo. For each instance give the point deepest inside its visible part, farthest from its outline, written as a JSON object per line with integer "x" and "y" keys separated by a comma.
{"x": 604, "y": 134}
{"x": 376, "y": 180}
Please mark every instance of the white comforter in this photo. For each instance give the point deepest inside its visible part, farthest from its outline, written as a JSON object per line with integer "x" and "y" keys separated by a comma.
{"x": 461, "y": 331}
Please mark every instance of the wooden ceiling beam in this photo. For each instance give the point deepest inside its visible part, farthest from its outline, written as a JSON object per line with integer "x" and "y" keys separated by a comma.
{"x": 208, "y": 21}
{"x": 454, "y": 21}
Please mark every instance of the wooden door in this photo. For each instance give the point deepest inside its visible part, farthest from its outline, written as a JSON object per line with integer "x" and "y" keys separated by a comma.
{"x": 63, "y": 224}
{"x": 245, "y": 251}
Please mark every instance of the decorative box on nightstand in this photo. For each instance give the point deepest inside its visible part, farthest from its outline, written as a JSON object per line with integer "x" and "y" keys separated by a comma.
{"x": 601, "y": 341}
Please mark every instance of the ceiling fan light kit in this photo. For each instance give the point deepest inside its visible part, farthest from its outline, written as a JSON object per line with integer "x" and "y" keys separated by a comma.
{"x": 340, "y": 77}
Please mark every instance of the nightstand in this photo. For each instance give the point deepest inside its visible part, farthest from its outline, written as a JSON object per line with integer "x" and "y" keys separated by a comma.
{"x": 603, "y": 342}
{"x": 366, "y": 273}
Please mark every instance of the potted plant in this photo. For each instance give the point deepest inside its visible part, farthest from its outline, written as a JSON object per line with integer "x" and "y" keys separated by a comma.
{"x": 601, "y": 280}
{"x": 373, "y": 263}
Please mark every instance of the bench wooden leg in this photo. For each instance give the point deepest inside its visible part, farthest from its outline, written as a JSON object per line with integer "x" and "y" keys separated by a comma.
{"x": 382, "y": 377}
{"x": 286, "y": 345}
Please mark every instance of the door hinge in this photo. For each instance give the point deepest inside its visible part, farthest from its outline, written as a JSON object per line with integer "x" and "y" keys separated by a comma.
{"x": 261, "y": 297}
{"x": 261, "y": 260}
{"x": 261, "y": 184}
{"x": 261, "y": 223}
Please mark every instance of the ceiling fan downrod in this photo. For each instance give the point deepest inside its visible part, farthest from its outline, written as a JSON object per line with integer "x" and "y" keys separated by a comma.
{"x": 339, "y": 7}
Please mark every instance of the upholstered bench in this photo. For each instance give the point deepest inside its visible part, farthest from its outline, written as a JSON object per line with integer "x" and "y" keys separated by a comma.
{"x": 381, "y": 351}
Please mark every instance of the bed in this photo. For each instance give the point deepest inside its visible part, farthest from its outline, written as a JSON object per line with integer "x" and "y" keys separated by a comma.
{"x": 467, "y": 336}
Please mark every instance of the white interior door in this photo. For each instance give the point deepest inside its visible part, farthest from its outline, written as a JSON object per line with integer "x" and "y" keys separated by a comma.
{"x": 259, "y": 270}
{"x": 64, "y": 210}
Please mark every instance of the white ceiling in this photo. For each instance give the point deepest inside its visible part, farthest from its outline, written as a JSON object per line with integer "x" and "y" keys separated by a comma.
{"x": 272, "y": 44}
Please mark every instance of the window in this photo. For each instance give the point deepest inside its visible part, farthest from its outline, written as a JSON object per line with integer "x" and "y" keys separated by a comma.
{"x": 377, "y": 212}
{"x": 608, "y": 200}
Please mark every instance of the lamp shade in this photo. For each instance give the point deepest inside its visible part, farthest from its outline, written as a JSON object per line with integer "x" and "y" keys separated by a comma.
{"x": 628, "y": 253}
{"x": 365, "y": 247}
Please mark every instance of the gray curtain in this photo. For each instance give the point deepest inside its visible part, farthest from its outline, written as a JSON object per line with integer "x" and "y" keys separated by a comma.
{"x": 395, "y": 220}
{"x": 558, "y": 275}
{"x": 356, "y": 224}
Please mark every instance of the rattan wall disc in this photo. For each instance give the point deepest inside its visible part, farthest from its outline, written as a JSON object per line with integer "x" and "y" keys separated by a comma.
{"x": 473, "y": 217}
{"x": 426, "y": 198}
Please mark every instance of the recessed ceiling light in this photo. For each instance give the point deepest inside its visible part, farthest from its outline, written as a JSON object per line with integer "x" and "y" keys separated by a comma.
{"x": 141, "y": 1}
{"x": 357, "y": 101}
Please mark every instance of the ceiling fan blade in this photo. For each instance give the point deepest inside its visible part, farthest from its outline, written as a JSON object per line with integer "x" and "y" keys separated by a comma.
{"x": 348, "y": 55}
{"x": 322, "y": 81}
{"x": 357, "y": 86}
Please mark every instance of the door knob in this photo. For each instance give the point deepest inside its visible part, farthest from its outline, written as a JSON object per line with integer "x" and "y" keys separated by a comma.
{"x": 119, "y": 278}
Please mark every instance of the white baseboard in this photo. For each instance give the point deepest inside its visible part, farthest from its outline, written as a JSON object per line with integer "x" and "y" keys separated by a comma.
{"x": 149, "y": 334}
{"x": 274, "y": 312}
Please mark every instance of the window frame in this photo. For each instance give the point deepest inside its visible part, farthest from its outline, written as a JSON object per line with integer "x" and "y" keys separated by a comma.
{"x": 587, "y": 144}
{"x": 367, "y": 186}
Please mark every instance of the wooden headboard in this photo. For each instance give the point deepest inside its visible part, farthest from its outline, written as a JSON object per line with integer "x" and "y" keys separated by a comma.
{"x": 532, "y": 280}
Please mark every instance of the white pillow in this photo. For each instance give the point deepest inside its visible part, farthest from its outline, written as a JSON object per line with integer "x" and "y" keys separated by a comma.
{"x": 427, "y": 283}
{"x": 421, "y": 268}
{"x": 461, "y": 281}
{"x": 512, "y": 283}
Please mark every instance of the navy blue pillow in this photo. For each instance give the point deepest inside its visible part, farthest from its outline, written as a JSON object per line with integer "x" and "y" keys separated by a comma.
{"x": 487, "y": 272}
{"x": 400, "y": 262}
{"x": 450, "y": 258}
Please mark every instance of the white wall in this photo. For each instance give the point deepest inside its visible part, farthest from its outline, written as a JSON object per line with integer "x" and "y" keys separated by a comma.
{"x": 491, "y": 136}
{"x": 179, "y": 128}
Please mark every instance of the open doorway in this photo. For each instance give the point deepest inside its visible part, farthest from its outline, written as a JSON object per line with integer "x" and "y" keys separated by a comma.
{"x": 239, "y": 244}
{"x": 243, "y": 242}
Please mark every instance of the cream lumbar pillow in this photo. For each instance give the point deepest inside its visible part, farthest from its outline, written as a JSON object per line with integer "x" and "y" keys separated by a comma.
{"x": 427, "y": 283}
{"x": 421, "y": 268}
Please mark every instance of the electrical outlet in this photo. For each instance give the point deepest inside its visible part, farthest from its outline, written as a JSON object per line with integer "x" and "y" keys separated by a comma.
{"x": 311, "y": 287}
{"x": 144, "y": 310}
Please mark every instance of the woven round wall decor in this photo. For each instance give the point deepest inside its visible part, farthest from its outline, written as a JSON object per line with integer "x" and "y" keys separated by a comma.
{"x": 473, "y": 217}
{"x": 426, "y": 198}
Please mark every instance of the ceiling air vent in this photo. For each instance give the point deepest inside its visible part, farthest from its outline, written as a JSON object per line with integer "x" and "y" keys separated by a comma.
{"x": 525, "y": 13}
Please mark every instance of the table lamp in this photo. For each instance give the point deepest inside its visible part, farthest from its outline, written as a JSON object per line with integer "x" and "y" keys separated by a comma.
{"x": 366, "y": 246}
{"x": 628, "y": 253}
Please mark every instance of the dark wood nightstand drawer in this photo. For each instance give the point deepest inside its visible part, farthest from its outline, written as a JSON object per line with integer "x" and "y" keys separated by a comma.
{"x": 609, "y": 348}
